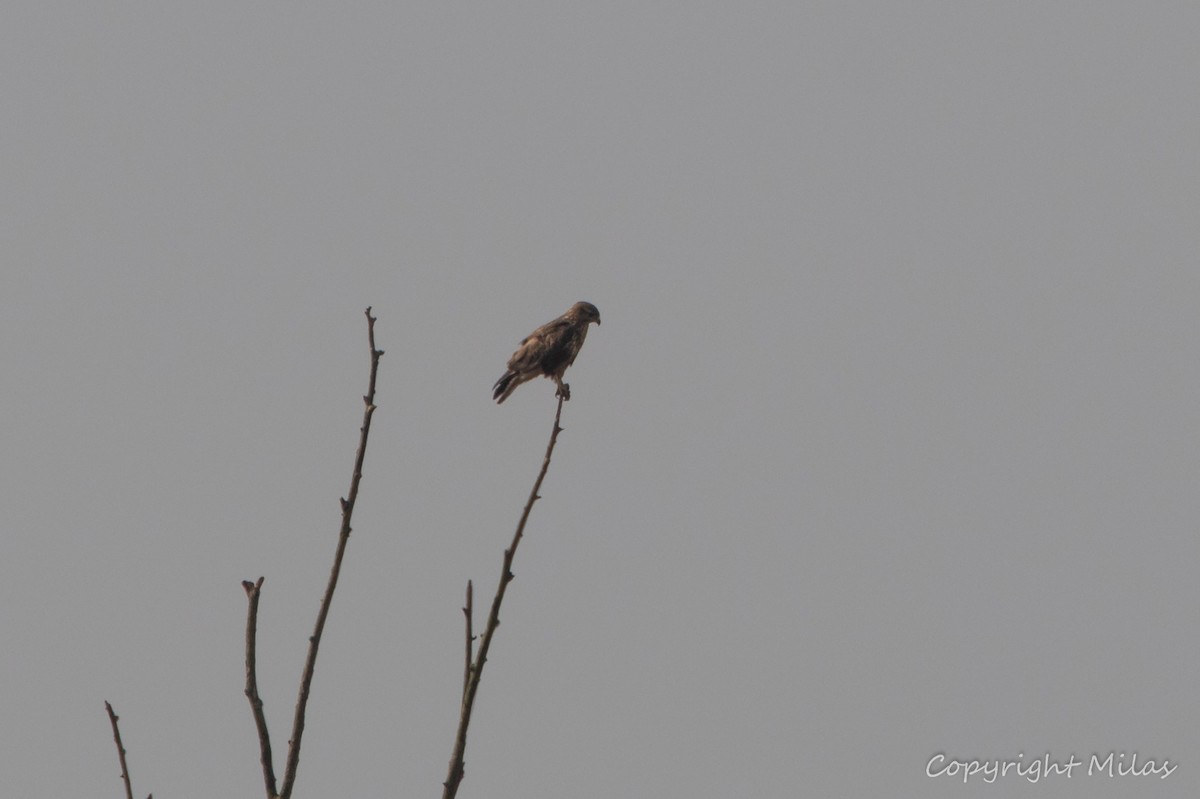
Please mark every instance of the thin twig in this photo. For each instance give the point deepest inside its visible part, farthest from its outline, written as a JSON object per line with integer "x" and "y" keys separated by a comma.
{"x": 253, "y": 590}
{"x": 314, "y": 642}
{"x": 112, "y": 717}
{"x": 468, "y": 611}
{"x": 455, "y": 775}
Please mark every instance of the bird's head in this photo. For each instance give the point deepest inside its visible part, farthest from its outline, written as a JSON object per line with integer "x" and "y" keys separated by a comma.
{"x": 585, "y": 312}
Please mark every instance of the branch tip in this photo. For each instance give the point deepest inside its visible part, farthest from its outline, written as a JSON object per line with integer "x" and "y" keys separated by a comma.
{"x": 113, "y": 718}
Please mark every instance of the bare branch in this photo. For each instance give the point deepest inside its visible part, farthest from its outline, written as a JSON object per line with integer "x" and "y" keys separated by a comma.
{"x": 314, "y": 641}
{"x": 457, "y": 766}
{"x": 112, "y": 718}
{"x": 253, "y": 591}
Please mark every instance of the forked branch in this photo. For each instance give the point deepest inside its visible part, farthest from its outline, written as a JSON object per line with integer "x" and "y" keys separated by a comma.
{"x": 474, "y": 668}
{"x": 314, "y": 641}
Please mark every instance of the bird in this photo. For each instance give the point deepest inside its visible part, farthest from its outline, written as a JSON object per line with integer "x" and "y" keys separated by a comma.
{"x": 548, "y": 351}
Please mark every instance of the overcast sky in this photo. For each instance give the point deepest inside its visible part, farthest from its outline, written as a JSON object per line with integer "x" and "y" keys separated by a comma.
{"x": 887, "y": 446}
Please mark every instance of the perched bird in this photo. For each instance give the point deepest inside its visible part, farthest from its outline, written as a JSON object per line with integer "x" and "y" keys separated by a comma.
{"x": 548, "y": 351}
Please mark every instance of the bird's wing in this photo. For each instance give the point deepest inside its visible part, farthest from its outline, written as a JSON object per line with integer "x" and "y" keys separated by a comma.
{"x": 539, "y": 345}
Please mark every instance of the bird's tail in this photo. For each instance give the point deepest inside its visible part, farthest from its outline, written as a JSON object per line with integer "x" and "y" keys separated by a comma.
{"x": 505, "y": 386}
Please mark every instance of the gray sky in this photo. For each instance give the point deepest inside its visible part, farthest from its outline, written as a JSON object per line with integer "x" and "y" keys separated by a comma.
{"x": 887, "y": 446}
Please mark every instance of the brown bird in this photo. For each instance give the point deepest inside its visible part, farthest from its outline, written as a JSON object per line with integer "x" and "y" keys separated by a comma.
{"x": 548, "y": 351}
